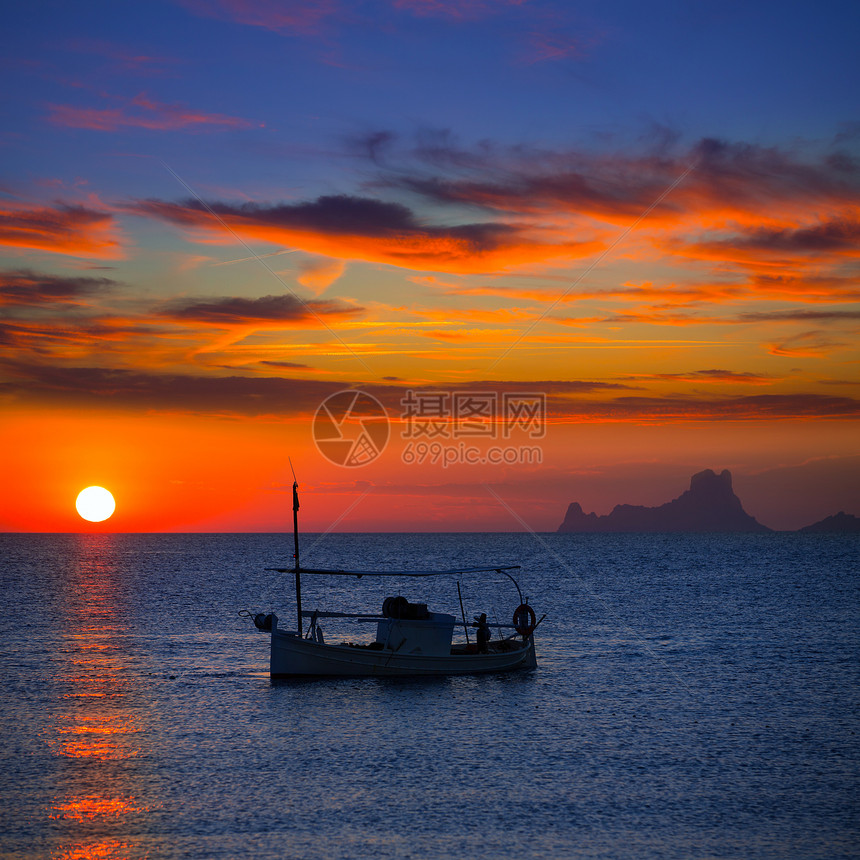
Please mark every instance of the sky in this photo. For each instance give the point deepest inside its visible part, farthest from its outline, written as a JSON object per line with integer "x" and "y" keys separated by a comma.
{"x": 458, "y": 264}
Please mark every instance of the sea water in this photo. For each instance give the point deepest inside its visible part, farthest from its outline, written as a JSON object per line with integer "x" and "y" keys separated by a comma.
{"x": 696, "y": 696}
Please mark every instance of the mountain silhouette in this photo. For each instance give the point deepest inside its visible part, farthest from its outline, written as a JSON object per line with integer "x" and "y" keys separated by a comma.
{"x": 840, "y": 522}
{"x": 710, "y": 505}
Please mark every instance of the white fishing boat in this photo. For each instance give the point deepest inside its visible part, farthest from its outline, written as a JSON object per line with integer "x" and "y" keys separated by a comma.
{"x": 409, "y": 639}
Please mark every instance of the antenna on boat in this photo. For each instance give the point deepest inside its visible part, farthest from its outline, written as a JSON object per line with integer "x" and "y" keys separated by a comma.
{"x": 297, "y": 567}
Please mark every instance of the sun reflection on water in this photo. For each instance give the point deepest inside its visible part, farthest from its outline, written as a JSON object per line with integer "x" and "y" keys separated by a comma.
{"x": 98, "y": 724}
{"x": 109, "y": 849}
{"x": 92, "y": 806}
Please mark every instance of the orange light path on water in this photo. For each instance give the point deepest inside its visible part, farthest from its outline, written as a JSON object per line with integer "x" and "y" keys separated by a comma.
{"x": 96, "y": 723}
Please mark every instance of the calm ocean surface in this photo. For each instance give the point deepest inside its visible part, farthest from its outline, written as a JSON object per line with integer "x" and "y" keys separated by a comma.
{"x": 696, "y": 697}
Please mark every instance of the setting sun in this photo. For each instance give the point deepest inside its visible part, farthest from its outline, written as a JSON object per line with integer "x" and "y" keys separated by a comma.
{"x": 95, "y": 504}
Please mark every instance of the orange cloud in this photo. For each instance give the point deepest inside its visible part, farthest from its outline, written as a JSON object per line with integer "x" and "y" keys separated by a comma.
{"x": 75, "y": 230}
{"x": 766, "y": 249}
{"x": 320, "y": 273}
{"x": 806, "y": 287}
{"x": 69, "y": 339}
{"x": 810, "y": 344}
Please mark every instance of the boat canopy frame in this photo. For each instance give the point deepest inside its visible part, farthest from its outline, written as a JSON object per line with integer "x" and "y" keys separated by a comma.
{"x": 358, "y": 574}
{"x": 298, "y": 570}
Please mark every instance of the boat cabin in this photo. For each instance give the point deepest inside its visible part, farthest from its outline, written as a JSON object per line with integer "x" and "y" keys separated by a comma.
{"x": 409, "y": 628}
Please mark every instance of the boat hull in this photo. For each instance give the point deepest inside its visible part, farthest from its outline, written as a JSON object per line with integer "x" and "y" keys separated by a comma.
{"x": 293, "y": 657}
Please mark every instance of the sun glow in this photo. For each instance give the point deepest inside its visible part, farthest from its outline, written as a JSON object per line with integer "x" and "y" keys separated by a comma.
{"x": 95, "y": 504}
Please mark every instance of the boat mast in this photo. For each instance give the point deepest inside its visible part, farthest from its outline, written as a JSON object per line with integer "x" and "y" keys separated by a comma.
{"x": 296, "y": 543}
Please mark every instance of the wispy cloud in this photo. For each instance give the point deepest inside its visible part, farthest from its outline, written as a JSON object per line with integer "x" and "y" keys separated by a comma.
{"x": 715, "y": 376}
{"x": 811, "y": 344}
{"x": 82, "y": 319}
{"x": 535, "y": 31}
{"x": 146, "y": 113}
{"x": 459, "y": 10}
{"x": 76, "y": 338}
{"x": 282, "y": 16}
{"x": 547, "y": 45}
{"x": 123, "y": 58}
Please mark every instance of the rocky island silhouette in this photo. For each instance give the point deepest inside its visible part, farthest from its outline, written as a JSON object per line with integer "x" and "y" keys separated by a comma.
{"x": 710, "y": 505}
{"x": 840, "y": 522}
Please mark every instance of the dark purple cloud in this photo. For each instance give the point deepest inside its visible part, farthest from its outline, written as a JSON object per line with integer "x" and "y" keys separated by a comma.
{"x": 715, "y": 375}
{"x": 289, "y": 365}
{"x": 332, "y": 215}
{"x": 751, "y": 407}
{"x": 613, "y": 183}
{"x": 233, "y": 310}
{"x": 92, "y": 387}
{"x": 798, "y": 315}
{"x": 26, "y": 288}
{"x": 834, "y": 235}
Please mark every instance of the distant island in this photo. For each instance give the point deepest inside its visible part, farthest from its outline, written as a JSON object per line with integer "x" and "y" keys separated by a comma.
{"x": 840, "y": 522}
{"x": 710, "y": 505}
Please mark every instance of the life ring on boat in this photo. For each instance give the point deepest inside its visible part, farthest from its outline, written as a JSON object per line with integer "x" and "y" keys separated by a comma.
{"x": 265, "y": 622}
{"x": 522, "y": 613}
